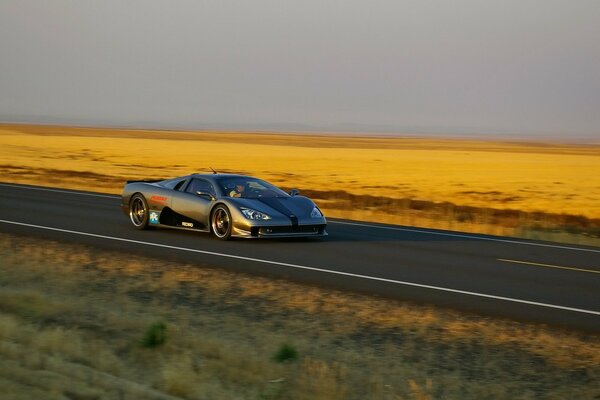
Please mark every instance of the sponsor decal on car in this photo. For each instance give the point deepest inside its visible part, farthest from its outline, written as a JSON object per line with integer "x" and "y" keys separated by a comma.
{"x": 154, "y": 217}
{"x": 159, "y": 199}
{"x": 187, "y": 224}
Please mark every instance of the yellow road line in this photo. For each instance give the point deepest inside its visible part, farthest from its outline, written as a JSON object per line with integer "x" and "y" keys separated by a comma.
{"x": 550, "y": 266}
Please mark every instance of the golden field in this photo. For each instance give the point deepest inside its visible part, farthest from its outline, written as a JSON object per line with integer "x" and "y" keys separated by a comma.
{"x": 479, "y": 186}
{"x": 73, "y": 319}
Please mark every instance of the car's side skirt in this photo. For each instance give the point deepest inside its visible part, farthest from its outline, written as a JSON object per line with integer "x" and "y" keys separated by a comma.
{"x": 181, "y": 228}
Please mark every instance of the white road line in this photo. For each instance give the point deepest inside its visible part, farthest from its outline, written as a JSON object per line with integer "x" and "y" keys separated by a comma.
{"x": 592, "y": 271}
{"x": 393, "y": 228}
{"x": 258, "y": 260}
{"x": 61, "y": 191}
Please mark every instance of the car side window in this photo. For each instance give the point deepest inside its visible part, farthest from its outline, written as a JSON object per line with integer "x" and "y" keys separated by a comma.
{"x": 173, "y": 184}
{"x": 200, "y": 185}
{"x": 179, "y": 185}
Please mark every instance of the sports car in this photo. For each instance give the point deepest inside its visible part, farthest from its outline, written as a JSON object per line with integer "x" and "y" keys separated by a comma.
{"x": 225, "y": 205}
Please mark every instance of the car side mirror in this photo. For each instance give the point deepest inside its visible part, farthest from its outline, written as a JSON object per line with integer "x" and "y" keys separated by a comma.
{"x": 205, "y": 194}
{"x": 294, "y": 192}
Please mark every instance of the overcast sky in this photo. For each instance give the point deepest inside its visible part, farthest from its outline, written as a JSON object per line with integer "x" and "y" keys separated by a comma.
{"x": 466, "y": 66}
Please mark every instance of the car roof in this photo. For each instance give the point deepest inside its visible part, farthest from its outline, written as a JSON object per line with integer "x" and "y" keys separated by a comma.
{"x": 218, "y": 175}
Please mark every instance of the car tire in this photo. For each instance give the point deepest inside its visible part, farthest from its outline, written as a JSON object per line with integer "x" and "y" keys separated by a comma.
{"x": 139, "y": 212}
{"x": 221, "y": 223}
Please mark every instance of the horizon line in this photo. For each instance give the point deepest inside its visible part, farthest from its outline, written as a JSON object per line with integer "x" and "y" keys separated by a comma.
{"x": 581, "y": 138}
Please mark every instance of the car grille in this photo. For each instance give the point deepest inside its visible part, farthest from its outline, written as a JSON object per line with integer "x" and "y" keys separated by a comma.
{"x": 289, "y": 230}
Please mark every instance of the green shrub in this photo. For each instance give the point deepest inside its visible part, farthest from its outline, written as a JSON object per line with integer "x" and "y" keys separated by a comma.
{"x": 286, "y": 353}
{"x": 155, "y": 335}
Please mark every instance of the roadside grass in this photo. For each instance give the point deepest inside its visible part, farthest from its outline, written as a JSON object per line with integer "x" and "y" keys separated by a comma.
{"x": 71, "y": 319}
{"x": 532, "y": 190}
{"x": 286, "y": 353}
{"x": 156, "y": 335}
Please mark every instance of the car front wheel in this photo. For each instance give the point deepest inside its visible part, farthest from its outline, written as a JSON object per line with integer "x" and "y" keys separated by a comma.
{"x": 221, "y": 222}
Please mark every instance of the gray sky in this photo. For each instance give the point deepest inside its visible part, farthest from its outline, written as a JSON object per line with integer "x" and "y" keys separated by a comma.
{"x": 464, "y": 66}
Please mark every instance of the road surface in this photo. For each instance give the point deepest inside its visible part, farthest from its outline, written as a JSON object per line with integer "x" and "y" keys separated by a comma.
{"x": 534, "y": 281}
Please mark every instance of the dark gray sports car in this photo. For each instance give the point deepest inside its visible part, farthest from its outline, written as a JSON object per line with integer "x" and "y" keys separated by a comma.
{"x": 223, "y": 204}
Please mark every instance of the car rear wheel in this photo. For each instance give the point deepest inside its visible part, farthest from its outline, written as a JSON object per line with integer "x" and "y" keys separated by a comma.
{"x": 221, "y": 222}
{"x": 138, "y": 211}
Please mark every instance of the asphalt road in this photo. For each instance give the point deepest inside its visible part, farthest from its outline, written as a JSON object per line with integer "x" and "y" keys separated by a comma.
{"x": 552, "y": 283}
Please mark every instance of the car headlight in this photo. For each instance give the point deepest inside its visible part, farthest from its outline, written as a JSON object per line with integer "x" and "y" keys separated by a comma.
{"x": 253, "y": 214}
{"x": 316, "y": 213}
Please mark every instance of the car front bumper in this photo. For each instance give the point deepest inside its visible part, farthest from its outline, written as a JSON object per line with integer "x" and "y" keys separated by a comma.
{"x": 314, "y": 230}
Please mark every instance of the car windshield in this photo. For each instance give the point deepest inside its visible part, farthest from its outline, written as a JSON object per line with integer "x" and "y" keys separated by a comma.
{"x": 249, "y": 188}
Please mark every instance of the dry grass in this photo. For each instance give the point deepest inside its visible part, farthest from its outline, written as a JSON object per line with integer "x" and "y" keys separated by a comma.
{"x": 72, "y": 317}
{"x": 520, "y": 189}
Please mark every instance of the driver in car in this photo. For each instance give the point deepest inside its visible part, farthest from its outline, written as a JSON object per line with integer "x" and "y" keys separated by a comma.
{"x": 238, "y": 191}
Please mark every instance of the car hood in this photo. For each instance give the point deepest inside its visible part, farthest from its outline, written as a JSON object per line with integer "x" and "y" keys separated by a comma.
{"x": 298, "y": 206}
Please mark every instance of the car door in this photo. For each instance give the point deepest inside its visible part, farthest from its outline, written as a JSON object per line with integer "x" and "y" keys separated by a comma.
{"x": 188, "y": 203}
